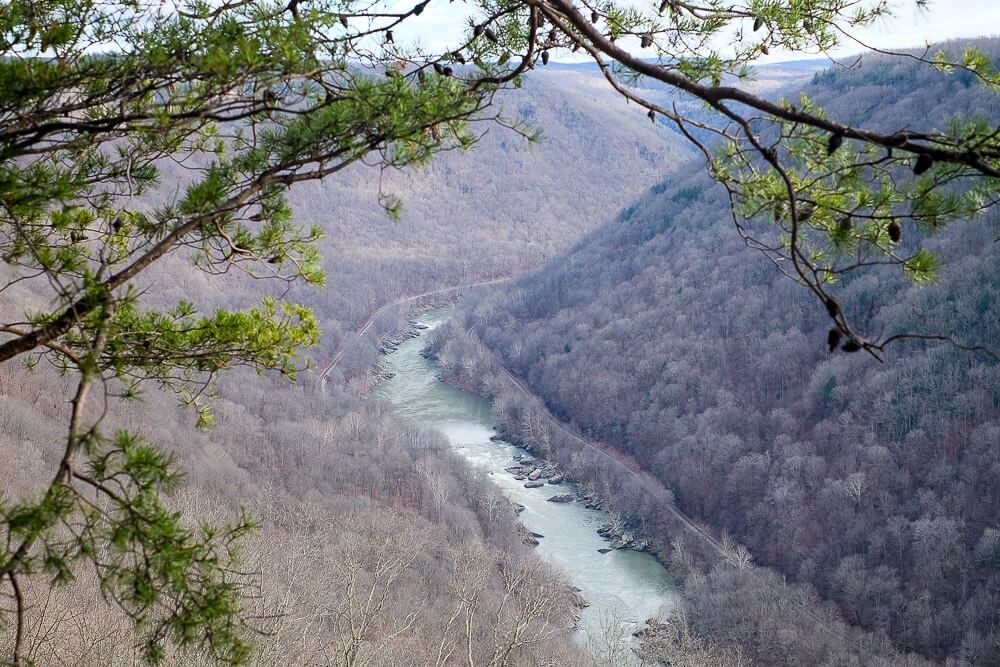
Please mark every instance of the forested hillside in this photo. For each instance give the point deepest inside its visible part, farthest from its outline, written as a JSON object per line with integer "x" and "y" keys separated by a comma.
{"x": 351, "y": 504}
{"x": 497, "y": 210}
{"x": 874, "y": 484}
{"x": 350, "y": 499}
{"x": 215, "y": 218}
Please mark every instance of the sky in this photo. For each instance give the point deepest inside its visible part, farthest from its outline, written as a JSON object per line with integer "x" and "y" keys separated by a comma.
{"x": 909, "y": 27}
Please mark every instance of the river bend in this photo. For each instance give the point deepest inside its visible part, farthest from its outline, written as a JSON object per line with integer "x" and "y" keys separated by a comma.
{"x": 625, "y": 585}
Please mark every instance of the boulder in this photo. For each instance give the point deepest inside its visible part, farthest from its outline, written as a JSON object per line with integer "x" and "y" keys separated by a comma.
{"x": 556, "y": 479}
{"x": 533, "y": 484}
{"x": 577, "y": 600}
{"x": 604, "y": 550}
{"x": 653, "y": 627}
{"x": 527, "y": 537}
{"x": 562, "y": 498}
{"x": 535, "y": 474}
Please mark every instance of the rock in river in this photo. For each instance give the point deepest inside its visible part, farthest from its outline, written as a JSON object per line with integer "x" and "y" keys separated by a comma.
{"x": 533, "y": 485}
{"x": 562, "y": 498}
{"x": 577, "y": 599}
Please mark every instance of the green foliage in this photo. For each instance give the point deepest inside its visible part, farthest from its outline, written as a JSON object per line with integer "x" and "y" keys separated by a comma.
{"x": 685, "y": 195}
{"x": 848, "y": 200}
{"x": 177, "y": 347}
{"x": 828, "y": 387}
{"x": 984, "y": 304}
{"x": 168, "y": 577}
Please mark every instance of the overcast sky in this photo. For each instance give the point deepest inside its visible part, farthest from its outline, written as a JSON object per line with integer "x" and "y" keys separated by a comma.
{"x": 944, "y": 19}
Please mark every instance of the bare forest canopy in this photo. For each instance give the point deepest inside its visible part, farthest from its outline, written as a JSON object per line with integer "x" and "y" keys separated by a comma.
{"x": 872, "y": 487}
{"x": 494, "y": 212}
{"x": 173, "y": 497}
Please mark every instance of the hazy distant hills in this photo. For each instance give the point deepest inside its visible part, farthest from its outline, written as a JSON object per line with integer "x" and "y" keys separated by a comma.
{"x": 876, "y": 484}
{"x": 514, "y": 201}
{"x": 496, "y": 210}
{"x": 505, "y": 206}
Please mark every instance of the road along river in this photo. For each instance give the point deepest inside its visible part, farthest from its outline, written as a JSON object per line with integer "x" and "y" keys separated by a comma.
{"x": 620, "y": 585}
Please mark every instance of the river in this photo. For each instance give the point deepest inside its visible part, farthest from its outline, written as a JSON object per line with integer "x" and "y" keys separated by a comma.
{"x": 621, "y": 586}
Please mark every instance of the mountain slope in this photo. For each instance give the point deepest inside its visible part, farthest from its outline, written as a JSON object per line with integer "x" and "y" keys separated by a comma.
{"x": 875, "y": 484}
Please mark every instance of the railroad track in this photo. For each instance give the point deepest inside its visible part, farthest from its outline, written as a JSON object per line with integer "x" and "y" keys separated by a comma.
{"x": 366, "y": 325}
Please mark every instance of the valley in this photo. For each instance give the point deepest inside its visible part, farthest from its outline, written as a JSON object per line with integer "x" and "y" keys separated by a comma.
{"x": 549, "y": 333}
{"x": 620, "y": 586}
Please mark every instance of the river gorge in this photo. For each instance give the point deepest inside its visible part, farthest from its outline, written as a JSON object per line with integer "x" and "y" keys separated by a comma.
{"x": 620, "y": 585}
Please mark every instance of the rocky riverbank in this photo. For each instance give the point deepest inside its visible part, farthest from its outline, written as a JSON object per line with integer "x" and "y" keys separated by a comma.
{"x": 538, "y": 473}
{"x": 380, "y": 370}
{"x": 565, "y": 532}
